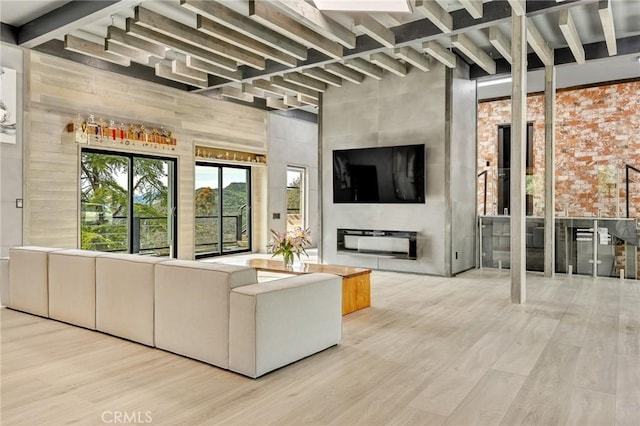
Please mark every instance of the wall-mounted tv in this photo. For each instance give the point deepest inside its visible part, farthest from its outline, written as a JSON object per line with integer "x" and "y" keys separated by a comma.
{"x": 393, "y": 174}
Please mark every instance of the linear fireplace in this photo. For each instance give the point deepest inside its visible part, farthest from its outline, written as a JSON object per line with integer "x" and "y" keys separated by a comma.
{"x": 393, "y": 244}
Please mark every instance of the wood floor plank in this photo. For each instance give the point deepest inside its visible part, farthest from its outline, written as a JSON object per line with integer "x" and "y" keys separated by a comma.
{"x": 590, "y": 408}
{"x": 596, "y": 371}
{"x": 628, "y": 391}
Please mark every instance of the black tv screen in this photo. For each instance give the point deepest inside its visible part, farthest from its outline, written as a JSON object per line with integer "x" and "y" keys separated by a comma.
{"x": 393, "y": 174}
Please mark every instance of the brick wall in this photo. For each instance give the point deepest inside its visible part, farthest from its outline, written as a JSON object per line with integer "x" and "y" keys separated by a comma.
{"x": 597, "y": 133}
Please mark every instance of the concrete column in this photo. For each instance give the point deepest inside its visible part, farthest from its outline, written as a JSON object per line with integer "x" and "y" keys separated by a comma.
{"x": 549, "y": 171}
{"x": 518, "y": 157}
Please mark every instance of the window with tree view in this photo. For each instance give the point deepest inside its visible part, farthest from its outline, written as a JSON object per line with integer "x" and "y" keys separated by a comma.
{"x": 295, "y": 198}
{"x": 127, "y": 203}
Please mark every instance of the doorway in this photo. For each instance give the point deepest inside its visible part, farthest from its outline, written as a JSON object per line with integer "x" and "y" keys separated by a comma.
{"x": 504, "y": 168}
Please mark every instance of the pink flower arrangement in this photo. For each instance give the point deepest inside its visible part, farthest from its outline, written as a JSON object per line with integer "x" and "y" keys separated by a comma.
{"x": 289, "y": 243}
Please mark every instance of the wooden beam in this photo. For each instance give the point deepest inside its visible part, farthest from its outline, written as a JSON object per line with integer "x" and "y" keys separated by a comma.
{"x": 240, "y": 23}
{"x": 235, "y": 93}
{"x": 413, "y": 57}
{"x": 549, "y": 170}
{"x": 266, "y": 86}
{"x": 390, "y": 64}
{"x": 203, "y": 66}
{"x": 365, "y": 67}
{"x": 261, "y": 12}
{"x": 539, "y": 44}
{"x": 126, "y": 52}
{"x": 163, "y": 70}
{"x": 308, "y": 100}
{"x": 230, "y": 36}
{"x": 443, "y": 55}
{"x": 570, "y": 34}
{"x": 345, "y": 72}
{"x": 519, "y": 7}
{"x": 162, "y": 24}
{"x": 474, "y": 7}
{"x": 375, "y": 30}
{"x": 278, "y": 81}
{"x": 315, "y": 20}
{"x": 608, "y": 28}
{"x": 180, "y": 68}
{"x": 276, "y": 103}
{"x": 250, "y": 90}
{"x": 117, "y": 35}
{"x": 500, "y": 42}
{"x": 436, "y": 14}
{"x": 95, "y": 50}
{"x": 292, "y": 101}
{"x": 476, "y": 54}
{"x": 303, "y": 80}
{"x": 324, "y": 76}
{"x": 180, "y": 46}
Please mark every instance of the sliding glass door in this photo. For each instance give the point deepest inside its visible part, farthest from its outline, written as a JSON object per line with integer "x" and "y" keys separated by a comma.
{"x": 127, "y": 203}
{"x": 223, "y": 205}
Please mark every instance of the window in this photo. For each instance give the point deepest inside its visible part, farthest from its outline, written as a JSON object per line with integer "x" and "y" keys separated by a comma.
{"x": 222, "y": 209}
{"x": 127, "y": 203}
{"x": 296, "y": 214}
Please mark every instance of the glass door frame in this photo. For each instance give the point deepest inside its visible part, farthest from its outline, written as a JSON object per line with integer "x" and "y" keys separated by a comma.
{"x": 221, "y": 167}
{"x": 172, "y": 194}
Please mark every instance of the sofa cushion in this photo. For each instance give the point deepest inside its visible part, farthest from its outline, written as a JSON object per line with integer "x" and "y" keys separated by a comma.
{"x": 28, "y": 279}
{"x": 192, "y": 308}
{"x": 4, "y": 281}
{"x": 276, "y": 323}
{"x": 124, "y": 296}
{"x": 72, "y": 286}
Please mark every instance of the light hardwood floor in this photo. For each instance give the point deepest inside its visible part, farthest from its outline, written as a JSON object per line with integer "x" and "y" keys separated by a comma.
{"x": 430, "y": 351}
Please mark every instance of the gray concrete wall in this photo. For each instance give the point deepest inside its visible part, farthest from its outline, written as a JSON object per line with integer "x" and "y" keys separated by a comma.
{"x": 463, "y": 168}
{"x": 11, "y": 182}
{"x": 292, "y": 142}
{"x": 392, "y": 111}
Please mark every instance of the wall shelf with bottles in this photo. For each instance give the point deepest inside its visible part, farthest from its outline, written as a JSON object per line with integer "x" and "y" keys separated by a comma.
{"x": 230, "y": 156}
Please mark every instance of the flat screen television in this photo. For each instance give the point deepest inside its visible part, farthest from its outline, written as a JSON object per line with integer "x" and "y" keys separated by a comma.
{"x": 392, "y": 174}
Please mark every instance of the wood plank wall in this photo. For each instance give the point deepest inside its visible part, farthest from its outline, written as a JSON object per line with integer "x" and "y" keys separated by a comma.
{"x": 57, "y": 90}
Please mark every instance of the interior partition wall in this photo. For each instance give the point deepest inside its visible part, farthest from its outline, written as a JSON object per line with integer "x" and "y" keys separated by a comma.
{"x": 127, "y": 203}
{"x": 222, "y": 209}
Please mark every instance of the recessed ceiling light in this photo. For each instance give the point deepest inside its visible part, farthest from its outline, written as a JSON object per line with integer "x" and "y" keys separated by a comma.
{"x": 391, "y": 6}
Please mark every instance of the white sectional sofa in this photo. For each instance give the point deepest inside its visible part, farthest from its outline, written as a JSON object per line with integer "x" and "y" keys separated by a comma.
{"x": 211, "y": 312}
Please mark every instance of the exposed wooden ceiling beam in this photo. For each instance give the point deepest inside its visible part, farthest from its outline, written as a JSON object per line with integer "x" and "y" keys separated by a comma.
{"x": 303, "y": 80}
{"x": 262, "y": 12}
{"x": 126, "y": 52}
{"x": 308, "y": 100}
{"x": 436, "y": 14}
{"x": 235, "y": 93}
{"x": 117, "y": 35}
{"x": 608, "y": 28}
{"x": 266, "y": 86}
{"x": 180, "y": 68}
{"x": 250, "y": 90}
{"x": 203, "y": 66}
{"x": 324, "y": 76}
{"x": 500, "y": 42}
{"x": 570, "y": 33}
{"x": 163, "y": 70}
{"x": 276, "y": 103}
{"x": 292, "y": 101}
{"x": 278, "y": 81}
{"x": 159, "y": 23}
{"x": 180, "y": 46}
{"x": 441, "y": 54}
{"x": 364, "y": 67}
{"x": 375, "y": 30}
{"x": 240, "y": 23}
{"x": 345, "y": 72}
{"x": 413, "y": 57}
{"x": 95, "y": 50}
{"x": 223, "y": 33}
{"x": 539, "y": 44}
{"x": 474, "y": 7}
{"x": 519, "y": 7}
{"x": 390, "y": 64}
{"x": 312, "y": 18}
{"x": 476, "y": 54}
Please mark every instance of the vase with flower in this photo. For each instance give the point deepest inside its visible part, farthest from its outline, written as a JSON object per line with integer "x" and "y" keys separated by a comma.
{"x": 289, "y": 244}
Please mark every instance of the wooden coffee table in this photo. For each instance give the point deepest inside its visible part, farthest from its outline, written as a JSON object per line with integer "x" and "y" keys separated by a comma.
{"x": 356, "y": 282}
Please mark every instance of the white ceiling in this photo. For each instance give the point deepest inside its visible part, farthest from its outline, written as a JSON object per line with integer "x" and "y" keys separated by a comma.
{"x": 19, "y": 12}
